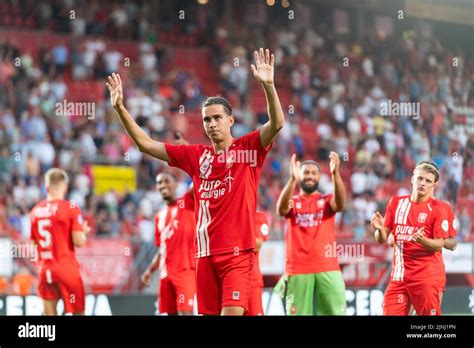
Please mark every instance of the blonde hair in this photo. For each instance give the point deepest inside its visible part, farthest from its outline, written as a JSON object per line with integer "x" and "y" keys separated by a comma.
{"x": 429, "y": 167}
{"x": 55, "y": 176}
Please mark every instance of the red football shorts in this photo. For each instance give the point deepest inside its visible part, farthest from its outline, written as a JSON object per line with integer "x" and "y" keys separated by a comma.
{"x": 62, "y": 281}
{"x": 223, "y": 280}
{"x": 423, "y": 295}
{"x": 442, "y": 283}
{"x": 255, "y": 301}
{"x": 177, "y": 292}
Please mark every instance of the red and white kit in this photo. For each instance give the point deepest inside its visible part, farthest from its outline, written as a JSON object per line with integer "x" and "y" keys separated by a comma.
{"x": 225, "y": 197}
{"x": 52, "y": 224}
{"x": 174, "y": 236}
{"x": 415, "y": 270}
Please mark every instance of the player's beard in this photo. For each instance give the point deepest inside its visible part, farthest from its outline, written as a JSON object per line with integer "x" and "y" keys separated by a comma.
{"x": 309, "y": 188}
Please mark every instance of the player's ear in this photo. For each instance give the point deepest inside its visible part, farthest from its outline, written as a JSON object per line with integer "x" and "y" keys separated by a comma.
{"x": 231, "y": 120}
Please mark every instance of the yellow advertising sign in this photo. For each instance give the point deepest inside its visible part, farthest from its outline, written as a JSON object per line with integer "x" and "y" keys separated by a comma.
{"x": 114, "y": 178}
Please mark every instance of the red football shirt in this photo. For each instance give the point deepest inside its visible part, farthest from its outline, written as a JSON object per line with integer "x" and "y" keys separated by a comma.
{"x": 451, "y": 233}
{"x": 225, "y": 192}
{"x": 411, "y": 261}
{"x": 52, "y": 224}
{"x": 261, "y": 230}
{"x": 174, "y": 235}
{"x": 310, "y": 234}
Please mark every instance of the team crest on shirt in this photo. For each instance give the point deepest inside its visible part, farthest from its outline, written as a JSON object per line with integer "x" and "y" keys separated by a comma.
{"x": 422, "y": 217}
{"x": 320, "y": 203}
{"x": 298, "y": 205}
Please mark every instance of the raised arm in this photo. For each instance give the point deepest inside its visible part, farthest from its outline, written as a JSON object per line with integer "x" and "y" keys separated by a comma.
{"x": 142, "y": 140}
{"x": 339, "y": 199}
{"x": 264, "y": 73}
{"x": 283, "y": 204}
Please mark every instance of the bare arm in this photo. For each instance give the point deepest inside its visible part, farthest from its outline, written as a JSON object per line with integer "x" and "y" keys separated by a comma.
{"x": 263, "y": 70}
{"x": 339, "y": 199}
{"x": 152, "y": 267}
{"x": 283, "y": 203}
{"x": 142, "y": 140}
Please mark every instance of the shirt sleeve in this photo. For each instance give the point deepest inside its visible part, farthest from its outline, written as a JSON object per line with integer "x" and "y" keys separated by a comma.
{"x": 157, "y": 232}
{"x": 292, "y": 211}
{"x": 389, "y": 214}
{"x": 328, "y": 212}
{"x": 252, "y": 141}
{"x": 188, "y": 200}
{"x": 77, "y": 220}
{"x": 182, "y": 157}
{"x": 262, "y": 226}
{"x": 452, "y": 222}
{"x": 441, "y": 223}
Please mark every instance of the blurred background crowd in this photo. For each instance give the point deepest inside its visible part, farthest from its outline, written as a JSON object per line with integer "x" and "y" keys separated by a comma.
{"x": 334, "y": 70}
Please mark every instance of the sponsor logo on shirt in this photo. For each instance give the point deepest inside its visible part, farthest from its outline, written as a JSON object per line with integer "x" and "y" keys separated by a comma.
{"x": 404, "y": 232}
{"x": 215, "y": 188}
{"x": 309, "y": 219}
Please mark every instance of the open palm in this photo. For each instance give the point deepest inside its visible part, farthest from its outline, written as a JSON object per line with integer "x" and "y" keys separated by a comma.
{"x": 114, "y": 85}
{"x": 263, "y": 68}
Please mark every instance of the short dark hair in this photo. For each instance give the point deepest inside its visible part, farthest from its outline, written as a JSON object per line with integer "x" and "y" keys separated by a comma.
{"x": 311, "y": 162}
{"x": 218, "y": 100}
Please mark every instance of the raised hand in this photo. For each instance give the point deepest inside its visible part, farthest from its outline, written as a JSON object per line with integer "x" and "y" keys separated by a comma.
{"x": 334, "y": 163}
{"x": 294, "y": 168}
{"x": 263, "y": 68}
{"x": 114, "y": 85}
{"x": 377, "y": 221}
